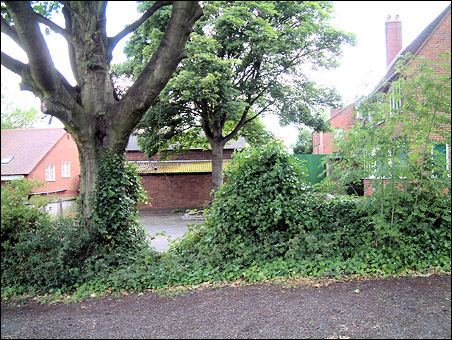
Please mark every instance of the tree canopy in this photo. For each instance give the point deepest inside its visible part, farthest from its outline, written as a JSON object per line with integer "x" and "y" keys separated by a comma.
{"x": 246, "y": 59}
{"x": 303, "y": 144}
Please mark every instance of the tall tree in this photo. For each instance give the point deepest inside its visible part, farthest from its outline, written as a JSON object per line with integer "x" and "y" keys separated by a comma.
{"x": 304, "y": 142}
{"x": 100, "y": 120}
{"x": 246, "y": 59}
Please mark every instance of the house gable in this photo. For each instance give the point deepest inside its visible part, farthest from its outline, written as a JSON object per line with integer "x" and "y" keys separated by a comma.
{"x": 434, "y": 40}
{"x": 33, "y": 149}
{"x": 27, "y": 147}
{"x": 64, "y": 151}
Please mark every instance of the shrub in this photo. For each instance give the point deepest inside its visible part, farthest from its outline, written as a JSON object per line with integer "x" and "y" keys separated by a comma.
{"x": 50, "y": 256}
{"x": 20, "y": 211}
{"x": 265, "y": 222}
{"x": 61, "y": 254}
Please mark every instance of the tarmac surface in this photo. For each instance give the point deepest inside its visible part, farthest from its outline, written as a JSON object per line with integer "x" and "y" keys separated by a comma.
{"x": 164, "y": 228}
{"x": 396, "y": 308}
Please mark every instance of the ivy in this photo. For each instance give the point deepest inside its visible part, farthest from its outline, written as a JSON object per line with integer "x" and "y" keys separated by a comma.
{"x": 116, "y": 195}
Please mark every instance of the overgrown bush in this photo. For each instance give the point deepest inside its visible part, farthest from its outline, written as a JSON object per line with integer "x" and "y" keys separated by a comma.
{"x": 265, "y": 222}
{"x": 19, "y": 211}
{"x": 61, "y": 254}
{"x": 50, "y": 256}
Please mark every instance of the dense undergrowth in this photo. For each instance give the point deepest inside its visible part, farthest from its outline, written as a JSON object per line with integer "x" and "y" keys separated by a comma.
{"x": 265, "y": 222}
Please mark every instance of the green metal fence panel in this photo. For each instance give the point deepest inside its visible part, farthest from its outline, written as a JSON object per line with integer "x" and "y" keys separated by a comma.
{"x": 315, "y": 168}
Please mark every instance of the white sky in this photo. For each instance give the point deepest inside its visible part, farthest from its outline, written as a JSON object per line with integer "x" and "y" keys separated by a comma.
{"x": 361, "y": 66}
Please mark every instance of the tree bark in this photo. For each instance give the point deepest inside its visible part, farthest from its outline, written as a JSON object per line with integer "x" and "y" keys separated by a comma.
{"x": 217, "y": 164}
{"x": 91, "y": 111}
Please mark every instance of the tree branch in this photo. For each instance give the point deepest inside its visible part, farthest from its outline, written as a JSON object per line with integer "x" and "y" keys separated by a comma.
{"x": 132, "y": 27}
{"x": 156, "y": 74}
{"x": 71, "y": 50}
{"x": 54, "y": 27}
{"x": 12, "y": 64}
{"x": 58, "y": 97}
{"x": 40, "y": 62}
{"x": 239, "y": 124}
{"x": 10, "y": 32}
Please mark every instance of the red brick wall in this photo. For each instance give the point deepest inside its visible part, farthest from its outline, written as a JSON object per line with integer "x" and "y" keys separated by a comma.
{"x": 65, "y": 150}
{"x": 176, "y": 191}
{"x": 340, "y": 118}
{"x": 439, "y": 41}
{"x": 368, "y": 189}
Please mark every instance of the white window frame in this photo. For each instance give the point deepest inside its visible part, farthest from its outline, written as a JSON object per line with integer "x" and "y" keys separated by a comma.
{"x": 394, "y": 104}
{"x": 447, "y": 157}
{"x": 50, "y": 173}
{"x": 66, "y": 169}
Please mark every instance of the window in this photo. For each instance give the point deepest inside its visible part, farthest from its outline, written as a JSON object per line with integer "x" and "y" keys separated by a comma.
{"x": 395, "y": 100}
{"x": 7, "y": 159}
{"x": 50, "y": 172}
{"x": 440, "y": 157}
{"x": 66, "y": 169}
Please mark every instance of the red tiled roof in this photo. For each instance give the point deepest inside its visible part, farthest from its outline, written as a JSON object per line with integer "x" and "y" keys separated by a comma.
{"x": 27, "y": 147}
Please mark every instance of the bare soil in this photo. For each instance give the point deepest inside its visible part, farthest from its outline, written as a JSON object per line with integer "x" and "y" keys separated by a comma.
{"x": 404, "y": 308}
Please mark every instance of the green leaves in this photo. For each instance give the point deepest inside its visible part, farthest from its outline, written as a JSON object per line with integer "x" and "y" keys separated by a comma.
{"x": 118, "y": 190}
{"x": 239, "y": 58}
{"x": 401, "y": 128}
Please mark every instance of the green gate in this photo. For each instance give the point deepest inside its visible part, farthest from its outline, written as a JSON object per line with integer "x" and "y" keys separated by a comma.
{"x": 315, "y": 168}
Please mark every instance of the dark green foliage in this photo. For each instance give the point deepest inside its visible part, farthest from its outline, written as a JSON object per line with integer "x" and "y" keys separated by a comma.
{"x": 19, "y": 211}
{"x": 51, "y": 256}
{"x": 59, "y": 255}
{"x": 265, "y": 222}
{"x": 118, "y": 191}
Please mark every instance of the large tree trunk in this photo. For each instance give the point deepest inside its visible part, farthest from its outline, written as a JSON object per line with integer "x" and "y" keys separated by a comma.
{"x": 92, "y": 112}
{"x": 90, "y": 157}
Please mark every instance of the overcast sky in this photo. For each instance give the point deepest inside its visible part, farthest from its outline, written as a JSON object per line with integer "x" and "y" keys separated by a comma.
{"x": 362, "y": 66}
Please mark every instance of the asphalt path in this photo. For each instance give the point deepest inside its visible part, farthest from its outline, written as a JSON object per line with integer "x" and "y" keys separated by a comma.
{"x": 396, "y": 308}
{"x": 163, "y": 228}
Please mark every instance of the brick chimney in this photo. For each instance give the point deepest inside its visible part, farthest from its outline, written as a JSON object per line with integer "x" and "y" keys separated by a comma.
{"x": 393, "y": 38}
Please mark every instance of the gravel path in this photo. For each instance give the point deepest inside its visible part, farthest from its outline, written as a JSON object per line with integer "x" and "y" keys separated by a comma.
{"x": 385, "y": 308}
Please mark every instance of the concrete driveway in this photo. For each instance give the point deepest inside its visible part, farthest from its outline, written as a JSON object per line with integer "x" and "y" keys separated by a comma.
{"x": 172, "y": 226}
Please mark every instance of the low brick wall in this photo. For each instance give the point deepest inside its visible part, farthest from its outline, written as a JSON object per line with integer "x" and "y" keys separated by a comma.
{"x": 176, "y": 191}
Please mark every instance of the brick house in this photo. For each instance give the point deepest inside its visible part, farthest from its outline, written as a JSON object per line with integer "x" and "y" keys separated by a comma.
{"x": 323, "y": 143}
{"x": 182, "y": 182}
{"x": 48, "y": 155}
{"x": 434, "y": 40}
